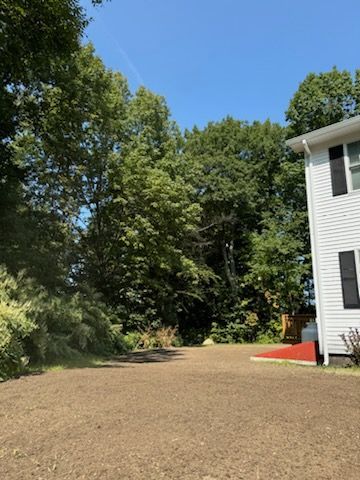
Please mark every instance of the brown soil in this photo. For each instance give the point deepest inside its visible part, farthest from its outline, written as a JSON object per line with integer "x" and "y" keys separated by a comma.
{"x": 190, "y": 414}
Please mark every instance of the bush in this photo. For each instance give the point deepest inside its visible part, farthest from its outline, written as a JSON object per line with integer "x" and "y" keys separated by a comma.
{"x": 132, "y": 340}
{"x": 352, "y": 344}
{"x": 266, "y": 338}
{"x": 119, "y": 342}
{"x": 68, "y": 324}
{"x": 272, "y": 334}
{"x": 163, "y": 337}
{"x": 194, "y": 336}
{"x": 167, "y": 337}
{"x": 46, "y": 327}
{"x": 240, "y": 330}
{"x": 15, "y": 326}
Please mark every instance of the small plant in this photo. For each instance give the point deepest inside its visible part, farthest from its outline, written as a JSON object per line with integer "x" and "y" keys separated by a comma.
{"x": 162, "y": 337}
{"x": 166, "y": 337}
{"x": 147, "y": 339}
{"x": 132, "y": 340}
{"x": 352, "y": 344}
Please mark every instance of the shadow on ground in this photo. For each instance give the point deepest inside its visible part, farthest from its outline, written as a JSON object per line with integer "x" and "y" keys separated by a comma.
{"x": 140, "y": 356}
{"x": 147, "y": 356}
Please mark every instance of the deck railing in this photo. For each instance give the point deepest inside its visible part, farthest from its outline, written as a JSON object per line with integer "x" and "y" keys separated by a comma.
{"x": 292, "y": 326}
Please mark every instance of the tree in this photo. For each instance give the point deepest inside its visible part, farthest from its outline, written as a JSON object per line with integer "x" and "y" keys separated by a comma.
{"x": 151, "y": 271}
{"x": 323, "y": 99}
{"x": 66, "y": 156}
{"x": 238, "y": 164}
{"x": 37, "y": 42}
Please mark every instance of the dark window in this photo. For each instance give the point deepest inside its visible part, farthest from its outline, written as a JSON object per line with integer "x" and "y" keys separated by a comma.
{"x": 349, "y": 279}
{"x": 354, "y": 164}
{"x": 337, "y": 168}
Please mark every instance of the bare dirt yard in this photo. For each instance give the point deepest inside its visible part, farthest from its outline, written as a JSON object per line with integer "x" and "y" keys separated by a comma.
{"x": 190, "y": 414}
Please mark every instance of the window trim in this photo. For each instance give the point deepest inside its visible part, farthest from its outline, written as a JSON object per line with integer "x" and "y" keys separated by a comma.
{"x": 348, "y": 167}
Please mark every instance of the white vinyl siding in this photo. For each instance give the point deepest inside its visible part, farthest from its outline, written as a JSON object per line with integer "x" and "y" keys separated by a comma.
{"x": 337, "y": 229}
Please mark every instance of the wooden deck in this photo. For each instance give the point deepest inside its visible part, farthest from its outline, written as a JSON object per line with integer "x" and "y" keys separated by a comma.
{"x": 292, "y": 326}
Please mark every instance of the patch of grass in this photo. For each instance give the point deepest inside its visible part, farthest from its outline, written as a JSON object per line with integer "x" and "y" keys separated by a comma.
{"x": 81, "y": 361}
{"x": 352, "y": 370}
{"x": 349, "y": 370}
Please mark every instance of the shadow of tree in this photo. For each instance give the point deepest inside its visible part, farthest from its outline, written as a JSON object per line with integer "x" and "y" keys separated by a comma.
{"x": 88, "y": 361}
{"x": 148, "y": 356}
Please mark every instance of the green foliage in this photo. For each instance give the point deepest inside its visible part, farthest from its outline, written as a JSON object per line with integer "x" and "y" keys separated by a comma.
{"x": 194, "y": 336}
{"x": 44, "y": 327}
{"x": 132, "y": 340}
{"x": 70, "y": 323}
{"x": 323, "y": 99}
{"x": 278, "y": 267}
{"x": 15, "y": 325}
{"x": 236, "y": 326}
{"x": 29, "y": 53}
{"x": 118, "y": 340}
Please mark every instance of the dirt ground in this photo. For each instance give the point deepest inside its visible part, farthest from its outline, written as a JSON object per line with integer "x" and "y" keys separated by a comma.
{"x": 191, "y": 414}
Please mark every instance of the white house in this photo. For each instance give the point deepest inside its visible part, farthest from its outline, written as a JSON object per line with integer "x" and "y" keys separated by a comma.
{"x": 332, "y": 166}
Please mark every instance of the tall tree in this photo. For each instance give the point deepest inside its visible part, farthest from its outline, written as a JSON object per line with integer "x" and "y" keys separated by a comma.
{"x": 66, "y": 154}
{"x": 37, "y": 41}
{"x": 152, "y": 273}
{"x": 238, "y": 164}
{"x": 323, "y": 99}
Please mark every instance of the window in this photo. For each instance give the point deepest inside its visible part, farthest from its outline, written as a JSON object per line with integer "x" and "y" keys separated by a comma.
{"x": 345, "y": 168}
{"x": 353, "y": 151}
{"x": 350, "y": 272}
{"x": 338, "y": 172}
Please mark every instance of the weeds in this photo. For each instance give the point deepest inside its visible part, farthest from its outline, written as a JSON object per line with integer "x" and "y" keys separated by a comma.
{"x": 352, "y": 344}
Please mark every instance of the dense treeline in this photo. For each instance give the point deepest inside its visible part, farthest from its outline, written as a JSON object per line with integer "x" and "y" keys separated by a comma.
{"x": 112, "y": 220}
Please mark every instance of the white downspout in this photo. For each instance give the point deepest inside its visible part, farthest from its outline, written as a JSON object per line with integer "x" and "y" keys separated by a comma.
{"x": 314, "y": 250}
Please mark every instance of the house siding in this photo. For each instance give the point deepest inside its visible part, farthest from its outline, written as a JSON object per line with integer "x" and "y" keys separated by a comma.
{"x": 336, "y": 228}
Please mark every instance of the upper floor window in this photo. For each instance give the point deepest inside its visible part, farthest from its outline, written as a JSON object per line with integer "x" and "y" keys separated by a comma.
{"x": 345, "y": 168}
{"x": 353, "y": 152}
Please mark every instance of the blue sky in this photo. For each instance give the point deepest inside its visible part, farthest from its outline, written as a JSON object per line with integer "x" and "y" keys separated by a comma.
{"x": 212, "y": 58}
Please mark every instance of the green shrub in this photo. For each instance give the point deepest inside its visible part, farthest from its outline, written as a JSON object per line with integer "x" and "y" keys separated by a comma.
{"x": 119, "y": 342}
{"x": 132, "y": 340}
{"x": 266, "y": 338}
{"x": 68, "y": 324}
{"x": 194, "y": 336}
{"x": 232, "y": 332}
{"x": 47, "y": 327}
{"x": 240, "y": 330}
{"x": 15, "y": 326}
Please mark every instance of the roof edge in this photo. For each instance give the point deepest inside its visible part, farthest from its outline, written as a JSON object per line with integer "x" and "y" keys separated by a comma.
{"x": 324, "y": 134}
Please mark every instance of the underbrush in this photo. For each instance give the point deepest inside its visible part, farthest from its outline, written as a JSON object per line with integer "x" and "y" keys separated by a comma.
{"x": 245, "y": 332}
{"x": 352, "y": 344}
{"x": 163, "y": 337}
{"x": 39, "y": 327}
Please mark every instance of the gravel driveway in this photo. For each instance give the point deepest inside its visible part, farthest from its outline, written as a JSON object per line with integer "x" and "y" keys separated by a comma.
{"x": 190, "y": 414}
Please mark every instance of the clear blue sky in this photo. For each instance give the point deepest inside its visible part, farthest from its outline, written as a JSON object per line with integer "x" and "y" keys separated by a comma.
{"x": 212, "y": 58}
